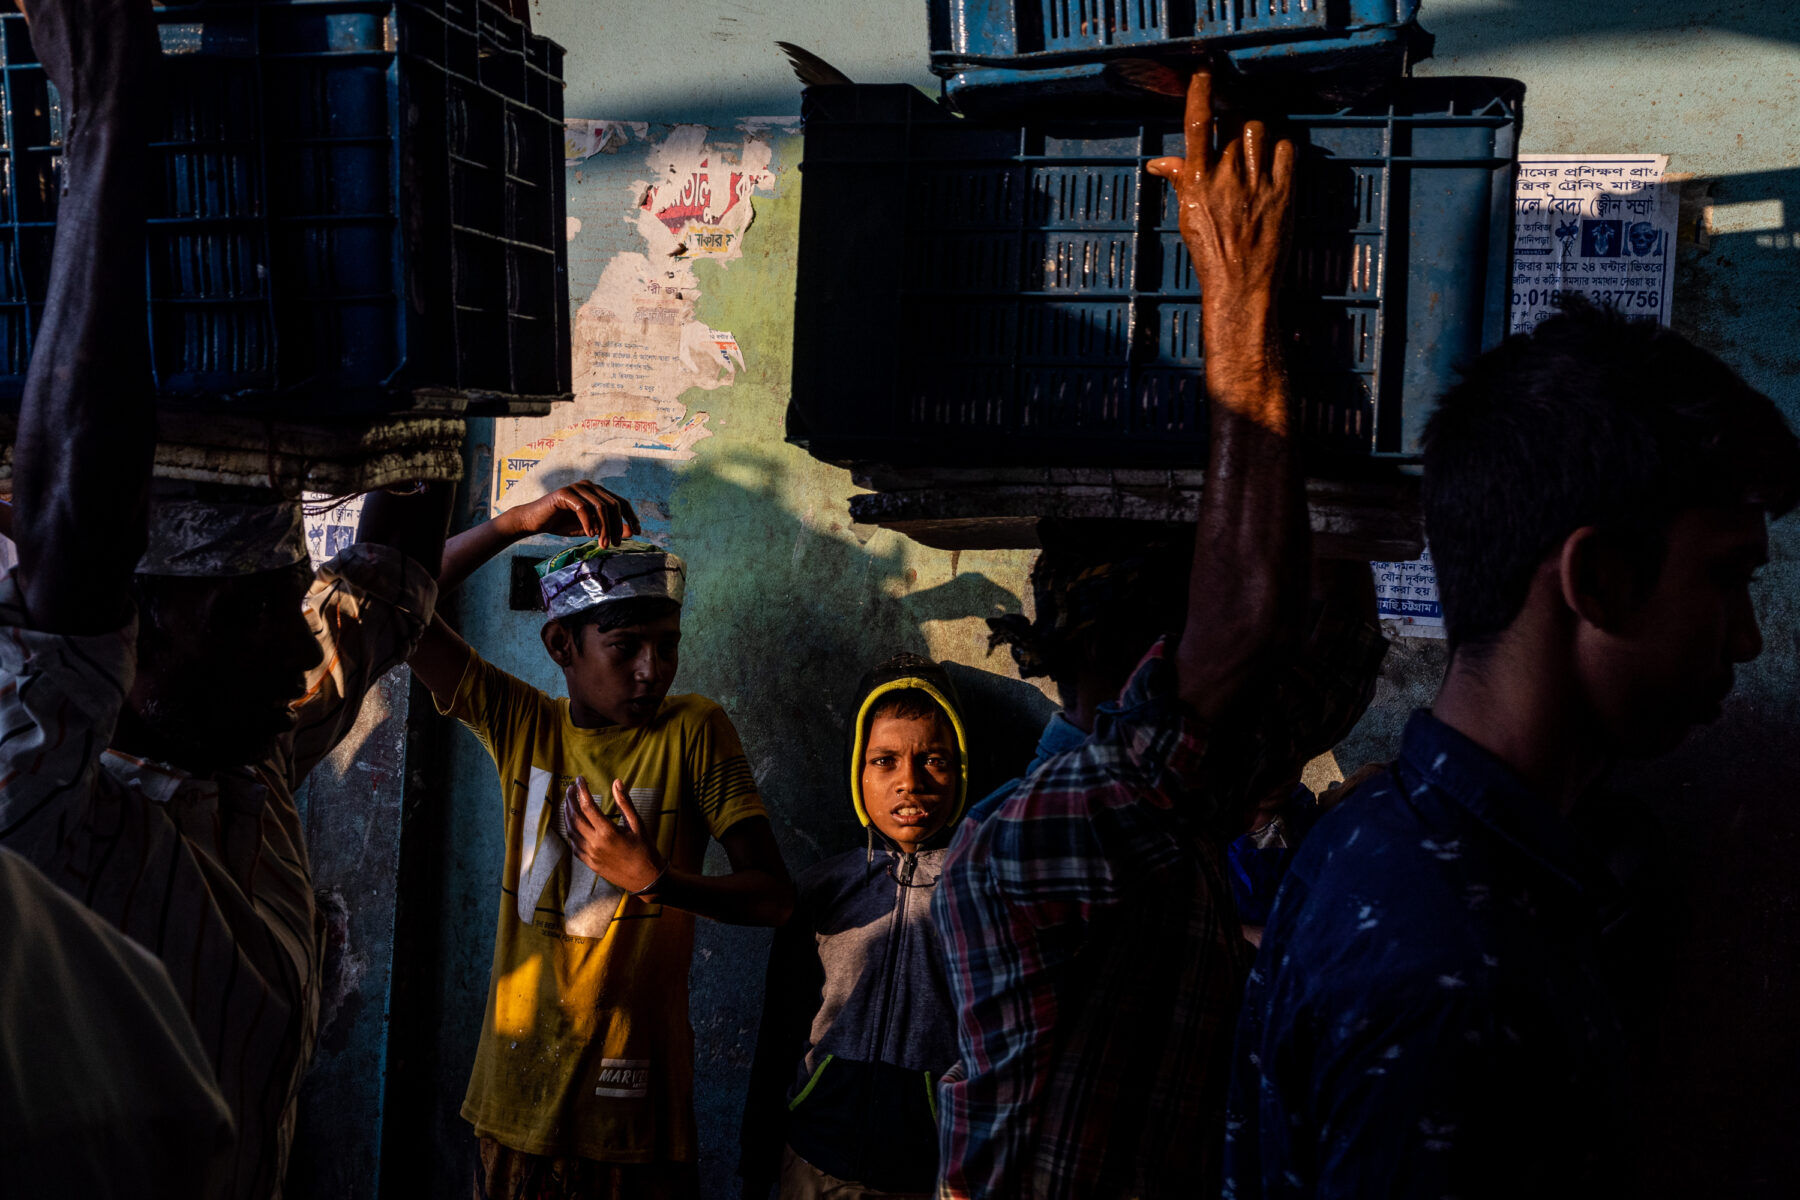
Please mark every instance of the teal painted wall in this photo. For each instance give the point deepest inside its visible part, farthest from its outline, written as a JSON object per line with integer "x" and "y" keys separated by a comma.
{"x": 790, "y": 602}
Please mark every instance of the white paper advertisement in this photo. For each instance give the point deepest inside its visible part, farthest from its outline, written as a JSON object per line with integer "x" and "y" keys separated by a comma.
{"x": 1406, "y": 594}
{"x": 1598, "y": 225}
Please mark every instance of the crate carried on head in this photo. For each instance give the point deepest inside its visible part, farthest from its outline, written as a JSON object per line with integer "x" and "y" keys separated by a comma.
{"x": 1018, "y": 294}
{"x": 356, "y": 210}
{"x": 999, "y": 55}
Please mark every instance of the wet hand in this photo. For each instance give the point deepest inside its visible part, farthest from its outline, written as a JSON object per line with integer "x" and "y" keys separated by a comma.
{"x": 1235, "y": 209}
{"x": 582, "y": 509}
{"x": 625, "y": 858}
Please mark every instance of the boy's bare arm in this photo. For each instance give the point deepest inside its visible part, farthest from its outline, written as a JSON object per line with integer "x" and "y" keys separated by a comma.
{"x": 88, "y": 429}
{"x": 1252, "y": 541}
{"x": 579, "y": 510}
{"x": 440, "y": 660}
{"x": 757, "y": 892}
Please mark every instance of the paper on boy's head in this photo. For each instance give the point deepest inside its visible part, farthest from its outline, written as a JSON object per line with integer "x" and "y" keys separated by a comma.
{"x": 590, "y": 575}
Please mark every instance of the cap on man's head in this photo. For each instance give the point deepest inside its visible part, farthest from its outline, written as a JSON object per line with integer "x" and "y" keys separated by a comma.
{"x": 206, "y": 529}
{"x": 589, "y": 575}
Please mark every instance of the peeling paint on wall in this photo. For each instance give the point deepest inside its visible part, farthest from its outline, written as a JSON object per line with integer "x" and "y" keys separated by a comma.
{"x": 636, "y": 342}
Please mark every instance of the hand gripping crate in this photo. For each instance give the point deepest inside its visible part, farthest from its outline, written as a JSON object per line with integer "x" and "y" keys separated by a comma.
{"x": 356, "y": 209}
{"x": 998, "y": 54}
{"x": 985, "y": 294}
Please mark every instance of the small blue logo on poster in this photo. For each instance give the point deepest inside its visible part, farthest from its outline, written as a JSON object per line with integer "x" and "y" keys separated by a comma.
{"x": 1601, "y": 239}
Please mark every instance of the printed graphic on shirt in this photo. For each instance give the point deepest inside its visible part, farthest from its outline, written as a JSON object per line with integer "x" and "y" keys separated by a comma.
{"x": 590, "y": 903}
{"x": 604, "y": 981}
{"x": 624, "y": 1078}
{"x": 541, "y": 849}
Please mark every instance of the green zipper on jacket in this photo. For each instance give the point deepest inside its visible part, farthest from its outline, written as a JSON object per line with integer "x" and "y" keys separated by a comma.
{"x": 811, "y": 1083}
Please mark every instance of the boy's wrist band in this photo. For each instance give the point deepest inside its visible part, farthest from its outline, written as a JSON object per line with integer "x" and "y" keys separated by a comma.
{"x": 653, "y": 884}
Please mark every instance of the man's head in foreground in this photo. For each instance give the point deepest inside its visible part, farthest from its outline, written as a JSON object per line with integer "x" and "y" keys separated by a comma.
{"x": 614, "y": 628}
{"x": 223, "y": 642}
{"x": 1596, "y": 497}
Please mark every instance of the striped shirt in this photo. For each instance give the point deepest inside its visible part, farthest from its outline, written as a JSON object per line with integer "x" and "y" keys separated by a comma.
{"x": 208, "y": 873}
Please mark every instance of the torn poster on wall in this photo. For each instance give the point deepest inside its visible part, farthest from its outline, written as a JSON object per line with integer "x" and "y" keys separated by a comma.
{"x": 1406, "y": 593}
{"x": 330, "y": 524}
{"x": 1595, "y": 225}
{"x": 636, "y": 342}
{"x": 582, "y": 139}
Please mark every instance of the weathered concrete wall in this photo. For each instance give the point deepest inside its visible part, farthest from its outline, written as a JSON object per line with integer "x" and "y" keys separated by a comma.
{"x": 351, "y": 807}
{"x": 789, "y": 603}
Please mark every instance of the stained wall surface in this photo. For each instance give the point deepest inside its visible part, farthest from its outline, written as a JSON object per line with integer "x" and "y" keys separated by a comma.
{"x": 790, "y": 601}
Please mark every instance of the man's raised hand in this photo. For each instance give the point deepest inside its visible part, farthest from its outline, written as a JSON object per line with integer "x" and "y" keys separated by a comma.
{"x": 1236, "y": 213}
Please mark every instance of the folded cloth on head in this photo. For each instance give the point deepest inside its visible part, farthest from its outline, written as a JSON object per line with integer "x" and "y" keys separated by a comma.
{"x": 590, "y": 575}
{"x": 200, "y": 530}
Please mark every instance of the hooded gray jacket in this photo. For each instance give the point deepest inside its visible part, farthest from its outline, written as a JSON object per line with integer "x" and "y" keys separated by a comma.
{"x": 857, "y": 1021}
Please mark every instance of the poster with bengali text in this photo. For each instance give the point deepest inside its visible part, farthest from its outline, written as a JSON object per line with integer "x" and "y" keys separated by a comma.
{"x": 1598, "y": 225}
{"x": 1406, "y": 594}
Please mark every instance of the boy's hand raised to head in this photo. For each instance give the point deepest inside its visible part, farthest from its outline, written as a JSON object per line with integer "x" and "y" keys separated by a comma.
{"x": 625, "y": 858}
{"x": 1236, "y": 214}
{"x": 582, "y": 509}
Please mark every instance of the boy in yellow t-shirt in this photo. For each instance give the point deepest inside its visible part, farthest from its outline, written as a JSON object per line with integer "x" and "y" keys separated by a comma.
{"x": 583, "y": 1080}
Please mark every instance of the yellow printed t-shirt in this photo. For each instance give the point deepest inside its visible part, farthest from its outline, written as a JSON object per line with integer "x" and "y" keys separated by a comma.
{"x": 586, "y": 1048}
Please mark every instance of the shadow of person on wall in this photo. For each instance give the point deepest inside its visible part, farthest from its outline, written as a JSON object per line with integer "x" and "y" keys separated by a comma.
{"x": 784, "y": 613}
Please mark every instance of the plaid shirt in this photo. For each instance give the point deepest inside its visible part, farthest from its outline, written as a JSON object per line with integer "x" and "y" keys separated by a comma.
{"x": 1092, "y": 947}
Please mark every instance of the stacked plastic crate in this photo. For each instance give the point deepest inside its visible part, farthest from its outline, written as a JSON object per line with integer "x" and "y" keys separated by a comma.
{"x": 356, "y": 224}
{"x": 991, "y": 282}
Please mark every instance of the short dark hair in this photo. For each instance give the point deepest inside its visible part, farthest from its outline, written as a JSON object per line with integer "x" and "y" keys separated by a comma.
{"x": 907, "y": 704}
{"x": 639, "y": 610}
{"x": 1590, "y": 419}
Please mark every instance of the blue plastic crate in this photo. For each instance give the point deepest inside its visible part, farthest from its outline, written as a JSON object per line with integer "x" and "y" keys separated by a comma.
{"x": 356, "y": 208}
{"x": 980, "y": 293}
{"x": 996, "y": 55}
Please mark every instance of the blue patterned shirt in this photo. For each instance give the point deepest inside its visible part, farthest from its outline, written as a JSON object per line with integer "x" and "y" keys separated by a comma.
{"x": 1427, "y": 1015}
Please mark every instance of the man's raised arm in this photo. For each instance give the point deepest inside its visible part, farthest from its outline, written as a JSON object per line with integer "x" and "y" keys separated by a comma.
{"x": 1252, "y": 543}
{"x": 88, "y": 430}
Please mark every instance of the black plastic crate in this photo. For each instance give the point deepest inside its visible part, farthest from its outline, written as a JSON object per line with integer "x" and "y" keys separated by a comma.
{"x": 975, "y": 293}
{"x": 997, "y": 54}
{"x": 356, "y": 207}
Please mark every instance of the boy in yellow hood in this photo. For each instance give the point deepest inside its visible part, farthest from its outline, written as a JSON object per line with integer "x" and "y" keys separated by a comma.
{"x": 857, "y": 1019}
